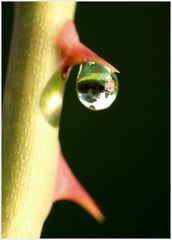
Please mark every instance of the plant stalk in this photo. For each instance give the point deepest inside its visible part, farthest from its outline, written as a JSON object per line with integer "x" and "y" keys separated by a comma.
{"x": 30, "y": 150}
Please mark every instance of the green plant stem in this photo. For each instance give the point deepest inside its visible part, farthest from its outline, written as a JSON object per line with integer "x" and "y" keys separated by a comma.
{"x": 29, "y": 142}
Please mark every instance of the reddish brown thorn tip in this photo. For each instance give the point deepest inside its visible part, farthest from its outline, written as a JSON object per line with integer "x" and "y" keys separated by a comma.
{"x": 69, "y": 188}
{"x": 73, "y": 52}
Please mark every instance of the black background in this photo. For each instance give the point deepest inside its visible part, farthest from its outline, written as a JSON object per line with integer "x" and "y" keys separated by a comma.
{"x": 122, "y": 154}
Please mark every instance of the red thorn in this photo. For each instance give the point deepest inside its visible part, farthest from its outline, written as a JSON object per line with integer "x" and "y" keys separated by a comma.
{"x": 72, "y": 51}
{"x": 89, "y": 55}
{"x": 69, "y": 188}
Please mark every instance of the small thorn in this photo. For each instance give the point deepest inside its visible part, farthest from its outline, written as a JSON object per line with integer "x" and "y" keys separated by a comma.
{"x": 73, "y": 52}
{"x": 89, "y": 55}
{"x": 69, "y": 188}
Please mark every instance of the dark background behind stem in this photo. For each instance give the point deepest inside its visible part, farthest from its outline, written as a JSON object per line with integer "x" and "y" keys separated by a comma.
{"x": 122, "y": 154}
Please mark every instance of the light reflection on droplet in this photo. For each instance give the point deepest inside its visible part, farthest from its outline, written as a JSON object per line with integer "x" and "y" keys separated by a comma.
{"x": 54, "y": 102}
{"x": 97, "y": 86}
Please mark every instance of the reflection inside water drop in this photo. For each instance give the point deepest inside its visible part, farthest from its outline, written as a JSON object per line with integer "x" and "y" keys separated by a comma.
{"x": 97, "y": 86}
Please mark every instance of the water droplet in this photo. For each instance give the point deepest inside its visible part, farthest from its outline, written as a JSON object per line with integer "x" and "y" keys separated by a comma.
{"x": 97, "y": 86}
{"x": 51, "y": 99}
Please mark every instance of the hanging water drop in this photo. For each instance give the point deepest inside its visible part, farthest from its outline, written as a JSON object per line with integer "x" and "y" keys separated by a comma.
{"x": 97, "y": 86}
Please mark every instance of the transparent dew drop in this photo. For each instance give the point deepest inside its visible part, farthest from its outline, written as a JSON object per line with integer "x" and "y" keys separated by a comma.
{"x": 51, "y": 99}
{"x": 96, "y": 85}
